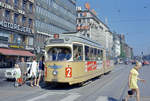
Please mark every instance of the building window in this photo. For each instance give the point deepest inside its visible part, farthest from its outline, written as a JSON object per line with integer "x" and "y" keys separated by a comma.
{"x": 30, "y": 41}
{"x": 30, "y": 23}
{"x": 23, "y": 20}
{"x": 16, "y": 2}
{"x": 31, "y": 7}
{"x": 17, "y": 39}
{"x": 7, "y": 15}
{"x": 79, "y": 20}
{"x": 81, "y": 15}
{"x": 16, "y": 18}
{"x": 23, "y": 4}
{"x": 7, "y": 1}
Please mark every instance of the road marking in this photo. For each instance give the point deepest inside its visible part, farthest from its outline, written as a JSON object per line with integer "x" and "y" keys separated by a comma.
{"x": 45, "y": 95}
{"x": 71, "y": 97}
{"x": 102, "y": 98}
{"x": 40, "y": 97}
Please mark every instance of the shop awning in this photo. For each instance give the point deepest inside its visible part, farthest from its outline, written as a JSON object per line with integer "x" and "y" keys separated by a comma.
{"x": 12, "y": 52}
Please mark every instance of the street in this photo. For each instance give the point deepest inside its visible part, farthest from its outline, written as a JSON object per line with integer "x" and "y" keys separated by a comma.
{"x": 110, "y": 87}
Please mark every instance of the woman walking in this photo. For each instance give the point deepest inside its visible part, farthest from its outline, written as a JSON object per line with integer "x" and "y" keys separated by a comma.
{"x": 33, "y": 72}
{"x": 132, "y": 82}
{"x": 41, "y": 70}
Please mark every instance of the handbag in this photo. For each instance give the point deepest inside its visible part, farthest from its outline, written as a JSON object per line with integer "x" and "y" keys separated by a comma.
{"x": 130, "y": 92}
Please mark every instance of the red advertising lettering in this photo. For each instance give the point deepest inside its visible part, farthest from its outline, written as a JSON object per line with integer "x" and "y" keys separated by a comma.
{"x": 91, "y": 65}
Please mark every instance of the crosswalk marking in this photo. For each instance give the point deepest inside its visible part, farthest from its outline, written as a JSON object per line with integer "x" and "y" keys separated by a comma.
{"x": 102, "y": 98}
{"x": 45, "y": 95}
{"x": 40, "y": 97}
{"x": 71, "y": 97}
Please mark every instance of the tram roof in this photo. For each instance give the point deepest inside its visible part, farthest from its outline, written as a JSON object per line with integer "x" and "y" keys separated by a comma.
{"x": 70, "y": 37}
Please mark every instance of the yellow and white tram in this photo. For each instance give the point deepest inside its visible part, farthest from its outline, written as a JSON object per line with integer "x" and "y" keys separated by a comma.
{"x": 72, "y": 58}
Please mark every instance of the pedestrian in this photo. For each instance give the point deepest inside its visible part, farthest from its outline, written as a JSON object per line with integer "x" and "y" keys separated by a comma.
{"x": 41, "y": 70}
{"x": 23, "y": 68}
{"x": 33, "y": 72}
{"x": 132, "y": 82}
{"x": 17, "y": 75}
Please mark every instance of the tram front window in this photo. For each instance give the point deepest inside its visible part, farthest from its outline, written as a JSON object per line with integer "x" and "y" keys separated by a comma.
{"x": 59, "y": 53}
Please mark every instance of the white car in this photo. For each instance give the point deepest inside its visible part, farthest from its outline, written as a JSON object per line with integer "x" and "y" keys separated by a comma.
{"x": 10, "y": 73}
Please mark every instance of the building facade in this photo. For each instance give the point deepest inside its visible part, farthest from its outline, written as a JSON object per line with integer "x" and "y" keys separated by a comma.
{"x": 16, "y": 25}
{"x": 89, "y": 25}
{"x": 116, "y": 45}
{"x": 125, "y": 50}
{"x": 128, "y": 51}
{"x": 53, "y": 16}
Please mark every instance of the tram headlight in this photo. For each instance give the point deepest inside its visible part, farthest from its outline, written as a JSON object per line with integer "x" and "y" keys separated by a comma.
{"x": 55, "y": 72}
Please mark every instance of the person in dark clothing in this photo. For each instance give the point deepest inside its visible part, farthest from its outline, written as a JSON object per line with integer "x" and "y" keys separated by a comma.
{"x": 41, "y": 70}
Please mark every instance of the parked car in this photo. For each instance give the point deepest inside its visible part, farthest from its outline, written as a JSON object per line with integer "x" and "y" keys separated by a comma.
{"x": 145, "y": 62}
{"x": 10, "y": 73}
{"x": 133, "y": 62}
{"x": 121, "y": 62}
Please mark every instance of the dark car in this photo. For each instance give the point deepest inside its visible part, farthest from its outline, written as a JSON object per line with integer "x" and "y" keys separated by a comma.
{"x": 133, "y": 62}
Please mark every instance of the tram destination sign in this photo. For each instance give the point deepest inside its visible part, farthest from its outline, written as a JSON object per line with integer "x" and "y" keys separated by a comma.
{"x": 56, "y": 41}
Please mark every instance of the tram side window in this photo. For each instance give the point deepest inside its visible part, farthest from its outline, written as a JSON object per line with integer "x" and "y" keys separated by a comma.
{"x": 95, "y": 54}
{"x": 77, "y": 52}
{"x": 91, "y": 53}
{"x": 100, "y": 54}
{"x": 87, "y": 53}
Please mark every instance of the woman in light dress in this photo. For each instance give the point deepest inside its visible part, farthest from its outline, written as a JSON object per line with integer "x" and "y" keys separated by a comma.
{"x": 33, "y": 72}
{"x": 132, "y": 82}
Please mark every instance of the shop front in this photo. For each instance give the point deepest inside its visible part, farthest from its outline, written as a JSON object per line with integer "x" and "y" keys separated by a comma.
{"x": 8, "y": 57}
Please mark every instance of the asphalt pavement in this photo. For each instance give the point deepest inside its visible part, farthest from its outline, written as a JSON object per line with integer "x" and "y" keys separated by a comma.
{"x": 110, "y": 87}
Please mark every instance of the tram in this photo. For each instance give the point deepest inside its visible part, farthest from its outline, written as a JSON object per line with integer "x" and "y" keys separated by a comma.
{"x": 72, "y": 58}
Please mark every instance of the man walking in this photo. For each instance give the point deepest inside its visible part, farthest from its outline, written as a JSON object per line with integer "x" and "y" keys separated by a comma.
{"x": 23, "y": 68}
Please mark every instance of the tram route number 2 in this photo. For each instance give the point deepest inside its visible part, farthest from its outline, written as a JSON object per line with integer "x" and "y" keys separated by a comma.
{"x": 68, "y": 72}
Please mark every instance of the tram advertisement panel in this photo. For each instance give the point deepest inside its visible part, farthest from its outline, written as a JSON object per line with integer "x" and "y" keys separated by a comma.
{"x": 90, "y": 66}
{"x": 99, "y": 64}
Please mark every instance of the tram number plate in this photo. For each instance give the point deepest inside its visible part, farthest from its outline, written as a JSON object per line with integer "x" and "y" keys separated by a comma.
{"x": 68, "y": 72}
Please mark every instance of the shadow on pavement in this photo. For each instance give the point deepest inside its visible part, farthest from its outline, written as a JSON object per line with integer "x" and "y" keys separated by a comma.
{"x": 54, "y": 86}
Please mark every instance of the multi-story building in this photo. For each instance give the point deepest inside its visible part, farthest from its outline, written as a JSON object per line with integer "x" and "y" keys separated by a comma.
{"x": 53, "y": 16}
{"x": 16, "y": 27}
{"x": 122, "y": 45}
{"x": 128, "y": 51}
{"x": 125, "y": 50}
{"x": 116, "y": 45}
{"x": 91, "y": 26}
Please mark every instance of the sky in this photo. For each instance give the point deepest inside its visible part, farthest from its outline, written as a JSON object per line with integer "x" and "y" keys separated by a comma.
{"x": 129, "y": 17}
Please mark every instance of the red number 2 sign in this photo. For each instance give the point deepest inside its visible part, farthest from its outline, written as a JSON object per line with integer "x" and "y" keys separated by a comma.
{"x": 68, "y": 72}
